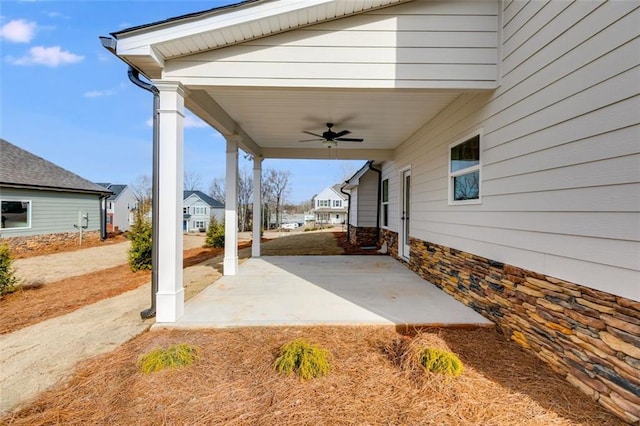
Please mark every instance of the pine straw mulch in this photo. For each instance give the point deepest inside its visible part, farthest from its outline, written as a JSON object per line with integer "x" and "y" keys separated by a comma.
{"x": 35, "y": 303}
{"x": 233, "y": 383}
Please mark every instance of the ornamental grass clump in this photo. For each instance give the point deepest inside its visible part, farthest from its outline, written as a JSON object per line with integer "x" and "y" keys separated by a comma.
{"x": 440, "y": 361}
{"x": 180, "y": 355}
{"x": 305, "y": 359}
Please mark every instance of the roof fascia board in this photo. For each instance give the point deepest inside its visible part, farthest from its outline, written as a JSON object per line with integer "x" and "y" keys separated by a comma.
{"x": 134, "y": 40}
{"x": 50, "y": 188}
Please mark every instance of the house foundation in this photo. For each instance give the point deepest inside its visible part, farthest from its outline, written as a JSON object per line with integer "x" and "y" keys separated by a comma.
{"x": 590, "y": 337}
{"x": 360, "y": 236}
{"x": 50, "y": 242}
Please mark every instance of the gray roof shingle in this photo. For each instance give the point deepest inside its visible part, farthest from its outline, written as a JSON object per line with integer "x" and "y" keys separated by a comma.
{"x": 204, "y": 197}
{"x": 20, "y": 168}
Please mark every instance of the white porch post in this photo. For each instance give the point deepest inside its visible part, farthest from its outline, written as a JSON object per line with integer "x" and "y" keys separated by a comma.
{"x": 170, "y": 296}
{"x": 231, "y": 210}
{"x": 257, "y": 205}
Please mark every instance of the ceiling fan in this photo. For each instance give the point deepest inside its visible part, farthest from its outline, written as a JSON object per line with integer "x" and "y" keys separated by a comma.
{"x": 330, "y": 138}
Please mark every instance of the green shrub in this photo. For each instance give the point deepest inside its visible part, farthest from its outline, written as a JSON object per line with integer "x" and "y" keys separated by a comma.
{"x": 215, "y": 234}
{"x": 8, "y": 279}
{"x": 140, "y": 251}
{"x": 180, "y": 355}
{"x": 440, "y": 361}
{"x": 307, "y": 360}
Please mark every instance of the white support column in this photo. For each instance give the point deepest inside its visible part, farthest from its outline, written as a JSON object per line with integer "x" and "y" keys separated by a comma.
{"x": 257, "y": 205}
{"x": 170, "y": 296}
{"x": 231, "y": 210}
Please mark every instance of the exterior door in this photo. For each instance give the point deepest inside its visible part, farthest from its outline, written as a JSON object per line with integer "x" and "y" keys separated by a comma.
{"x": 405, "y": 205}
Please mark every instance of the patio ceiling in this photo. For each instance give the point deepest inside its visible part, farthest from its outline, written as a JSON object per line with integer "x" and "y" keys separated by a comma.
{"x": 275, "y": 118}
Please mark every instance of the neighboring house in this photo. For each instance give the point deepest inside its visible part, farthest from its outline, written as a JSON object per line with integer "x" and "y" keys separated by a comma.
{"x": 506, "y": 133}
{"x": 330, "y": 206}
{"x": 197, "y": 210}
{"x": 44, "y": 204}
{"x": 119, "y": 207}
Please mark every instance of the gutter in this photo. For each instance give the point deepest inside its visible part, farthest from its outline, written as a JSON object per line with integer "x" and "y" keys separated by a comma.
{"x": 134, "y": 76}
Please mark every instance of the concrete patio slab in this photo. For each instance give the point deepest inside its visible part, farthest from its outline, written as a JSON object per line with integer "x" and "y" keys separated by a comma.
{"x": 324, "y": 290}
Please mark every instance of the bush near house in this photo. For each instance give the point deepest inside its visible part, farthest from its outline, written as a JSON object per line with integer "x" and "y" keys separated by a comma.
{"x": 8, "y": 280}
{"x": 140, "y": 251}
{"x": 215, "y": 234}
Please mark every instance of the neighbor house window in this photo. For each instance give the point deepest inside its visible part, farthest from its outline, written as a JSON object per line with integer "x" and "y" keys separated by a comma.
{"x": 464, "y": 171}
{"x": 16, "y": 214}
{"x": 385, "y": 202}
{"x": 337, "y": 203}
{"x": 323, "y": 203}
{"x": 185, "y": 210}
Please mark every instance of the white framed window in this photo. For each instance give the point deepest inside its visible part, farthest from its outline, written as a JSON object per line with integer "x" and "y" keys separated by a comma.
{"x": 337, "y": 203}
{"x": 384, "y": 211}
{"x": 185, "y": 210}
{"x": 199, "y": 224}
{"x": 16, "y": 214}
{"x": 464, "y": 170}
{"x": 323, "y": 203}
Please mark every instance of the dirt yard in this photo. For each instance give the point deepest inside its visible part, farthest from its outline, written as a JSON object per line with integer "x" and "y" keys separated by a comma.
{"x": 233, "y": 383}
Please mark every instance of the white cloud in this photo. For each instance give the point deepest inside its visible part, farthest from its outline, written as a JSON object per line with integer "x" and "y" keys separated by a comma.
{"x": 99, "y": 93}
{"x": 190, "y": 122}
{"x": 54, "y": 15}
{"x": 18, "y": 31}
{"x": 50, "y": 56}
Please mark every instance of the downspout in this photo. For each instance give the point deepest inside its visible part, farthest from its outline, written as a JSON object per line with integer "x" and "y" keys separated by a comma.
{"x": 103, "y": 217}
{"x": 134, "y": 76}
{"x": 348, "y": 194}
{"x": 379, "y": 172}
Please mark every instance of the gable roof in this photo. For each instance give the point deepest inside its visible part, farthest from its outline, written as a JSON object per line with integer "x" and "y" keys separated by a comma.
{"x": 115, "y": 188}
{"x": 204, "y": 197}
{"x": 22, "y": 169}
{"x": 336, "y": 188}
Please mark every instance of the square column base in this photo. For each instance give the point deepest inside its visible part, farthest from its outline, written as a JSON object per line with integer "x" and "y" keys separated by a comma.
{"x": 169, "y": 306}
{"x": 230, "y": 265}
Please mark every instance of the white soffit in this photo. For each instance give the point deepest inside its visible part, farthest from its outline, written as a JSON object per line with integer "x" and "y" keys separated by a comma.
{"x": 276, "y": 117}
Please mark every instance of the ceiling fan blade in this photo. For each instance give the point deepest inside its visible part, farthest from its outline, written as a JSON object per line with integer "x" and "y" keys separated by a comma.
{"x": 349, "y": 139}
{"x": 312, "y": 140}
{"x": 313, "y": 134}
{"x": 342, "y": 133}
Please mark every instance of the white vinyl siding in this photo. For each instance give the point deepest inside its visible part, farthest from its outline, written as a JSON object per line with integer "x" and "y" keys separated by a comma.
{"x": 422, "y": 44}
{"x": 53, "y": 212}
{"x": 560, "y": 154}
{"x": 368, "y": 200}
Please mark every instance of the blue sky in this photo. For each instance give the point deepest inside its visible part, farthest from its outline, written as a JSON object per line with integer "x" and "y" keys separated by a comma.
{"x": 65, "y": 98}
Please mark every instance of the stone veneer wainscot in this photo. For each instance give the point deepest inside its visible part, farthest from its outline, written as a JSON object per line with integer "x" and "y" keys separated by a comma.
{"x": 27, "y": 244}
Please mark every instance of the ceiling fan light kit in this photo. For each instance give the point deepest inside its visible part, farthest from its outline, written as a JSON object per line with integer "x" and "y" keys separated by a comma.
{"x": 330, "y": 138}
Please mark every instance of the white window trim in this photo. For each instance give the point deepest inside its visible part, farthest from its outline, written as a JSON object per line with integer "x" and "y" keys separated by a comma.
{"x": 467, "y": 170}
{"x": 29, "y": 213}
{"x": 383, "y": 203}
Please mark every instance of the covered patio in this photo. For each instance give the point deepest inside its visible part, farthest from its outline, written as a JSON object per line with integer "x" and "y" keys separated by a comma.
{"x": 325, "y": 290}
{"x": 267, "y": 75}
